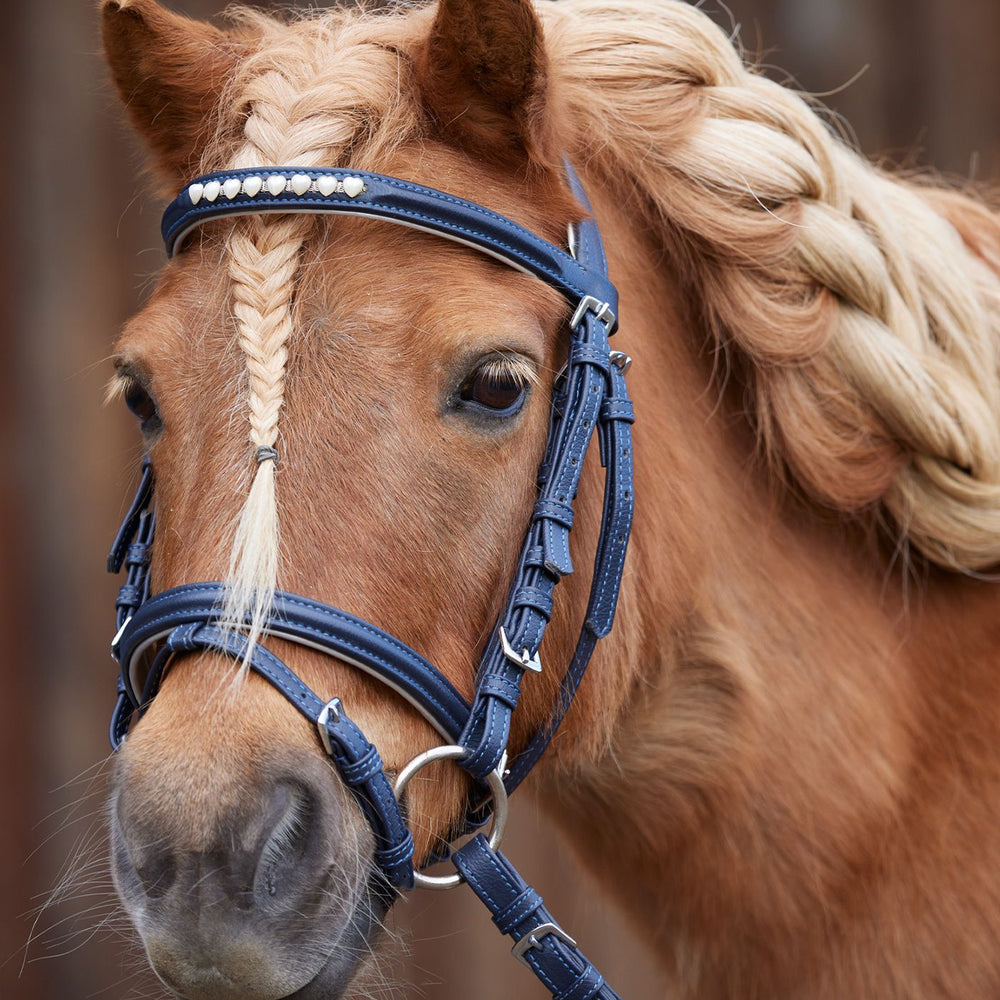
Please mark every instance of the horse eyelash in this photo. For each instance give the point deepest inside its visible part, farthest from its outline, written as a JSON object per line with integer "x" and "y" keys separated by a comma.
{"x": 512, "y": 367}
{"x": 117, "y": 387}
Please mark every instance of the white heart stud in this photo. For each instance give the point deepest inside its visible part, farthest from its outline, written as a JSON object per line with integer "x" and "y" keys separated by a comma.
{"x": 212, "y": 189}
{"x": 195, "y": 191}
{"x": 276, "y": 184}
{"x": 252, "y": 185}
{"x": 353, "y": 186}
{"x": 301, "y": 183}
{"x": 326, "y": 185}
{"x": 231, "y": 188}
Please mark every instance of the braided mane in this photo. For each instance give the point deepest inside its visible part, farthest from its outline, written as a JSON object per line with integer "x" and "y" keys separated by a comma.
{"x": 863, "y": 311}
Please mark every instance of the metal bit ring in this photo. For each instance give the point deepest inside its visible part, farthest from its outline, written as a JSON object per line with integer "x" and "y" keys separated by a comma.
{"x": 494, "y": 782}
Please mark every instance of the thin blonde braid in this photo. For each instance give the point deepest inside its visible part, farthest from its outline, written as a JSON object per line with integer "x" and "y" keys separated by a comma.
{"x": 310, "y": 93}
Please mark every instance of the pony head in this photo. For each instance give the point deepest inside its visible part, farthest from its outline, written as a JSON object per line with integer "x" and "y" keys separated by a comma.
{"x": 330, "y": 408}
{"x": 356, "y": 411}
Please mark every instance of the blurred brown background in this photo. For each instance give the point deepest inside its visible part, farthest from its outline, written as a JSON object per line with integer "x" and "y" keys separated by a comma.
{"x": 919, "y": 83}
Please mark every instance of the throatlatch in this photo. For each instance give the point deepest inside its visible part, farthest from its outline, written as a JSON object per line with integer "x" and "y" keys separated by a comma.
{"x": 590, "y": 396}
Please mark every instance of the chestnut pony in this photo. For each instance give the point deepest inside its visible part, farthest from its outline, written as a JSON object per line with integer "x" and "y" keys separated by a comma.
{"x": 787, "y": 749}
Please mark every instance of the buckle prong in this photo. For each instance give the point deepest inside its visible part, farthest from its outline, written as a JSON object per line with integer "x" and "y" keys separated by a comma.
{"x": 332, "y": 707}
{"x": 533, "y": 940}
{"x": 524, "y": 659}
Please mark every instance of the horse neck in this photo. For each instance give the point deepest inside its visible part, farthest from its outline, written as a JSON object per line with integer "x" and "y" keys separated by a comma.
{"x": 779, "y": 680}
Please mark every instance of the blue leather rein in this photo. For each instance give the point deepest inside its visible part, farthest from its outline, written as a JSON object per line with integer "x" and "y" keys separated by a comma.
{"x": 589, "y": 397}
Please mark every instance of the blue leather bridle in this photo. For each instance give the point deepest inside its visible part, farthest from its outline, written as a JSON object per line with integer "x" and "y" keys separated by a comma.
{"x": 589, "y": 397}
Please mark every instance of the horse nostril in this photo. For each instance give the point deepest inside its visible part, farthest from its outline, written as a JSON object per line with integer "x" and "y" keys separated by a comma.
{"x": 158, "y": 876}
{"x": 286, "y": 843}
{"x": 153, "y": 875}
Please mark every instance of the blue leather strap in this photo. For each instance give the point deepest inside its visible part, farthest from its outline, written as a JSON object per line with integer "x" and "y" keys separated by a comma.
{"x": 132, "y": 595}
{"x": 132, "y": 547}
{"x": 616, "y": 522}
{"x": 592, "y": 395}
{"x": 134, "y": 591}
{"x": 130, "y": 522}
{"x": 575, "y": 417}
{"x": 615, "y": 438}
{"x": 393, "y": 200}
{"x": 518, "y": 911}
{"x": 311, "y": 623}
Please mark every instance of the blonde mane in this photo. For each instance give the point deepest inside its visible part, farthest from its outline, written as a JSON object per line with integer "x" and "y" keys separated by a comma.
{"x": 862, "y": 311}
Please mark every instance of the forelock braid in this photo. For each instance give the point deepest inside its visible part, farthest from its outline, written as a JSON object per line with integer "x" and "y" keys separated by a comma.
{"x": 310, "y": 91}
{"x": 867, "y": 329}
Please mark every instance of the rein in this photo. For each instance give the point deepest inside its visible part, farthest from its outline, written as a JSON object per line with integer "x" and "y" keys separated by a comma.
{"x": 589, "y": 397}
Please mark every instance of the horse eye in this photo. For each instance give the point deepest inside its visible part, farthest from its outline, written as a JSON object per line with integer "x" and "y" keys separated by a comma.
{"x": 140, "y": 402}
{"x": 495, "y": 387}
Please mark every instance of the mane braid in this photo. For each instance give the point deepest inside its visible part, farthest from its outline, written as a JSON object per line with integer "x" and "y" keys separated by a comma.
{"x": 862, "y": 310}
{"x": 300, "y": 91}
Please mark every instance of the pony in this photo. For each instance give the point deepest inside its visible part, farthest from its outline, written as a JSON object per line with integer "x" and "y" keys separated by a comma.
{"x": 783, "y": 761}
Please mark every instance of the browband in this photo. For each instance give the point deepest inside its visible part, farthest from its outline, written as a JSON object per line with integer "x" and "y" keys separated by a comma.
{"x": 305, "y": 189}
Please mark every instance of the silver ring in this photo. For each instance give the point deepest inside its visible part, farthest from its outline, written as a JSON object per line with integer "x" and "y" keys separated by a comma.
{"x": 494, "y": 781}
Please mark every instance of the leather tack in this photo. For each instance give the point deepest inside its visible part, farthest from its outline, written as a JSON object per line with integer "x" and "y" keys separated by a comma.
{"x": 590, "y": 398}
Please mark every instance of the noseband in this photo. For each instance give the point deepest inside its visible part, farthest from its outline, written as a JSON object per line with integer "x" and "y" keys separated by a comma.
{"x": 589, "y": 397}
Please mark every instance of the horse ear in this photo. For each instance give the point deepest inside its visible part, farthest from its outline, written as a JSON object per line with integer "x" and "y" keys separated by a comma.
{"x": 484, "y": 79}
{"x": 168, "y": 70}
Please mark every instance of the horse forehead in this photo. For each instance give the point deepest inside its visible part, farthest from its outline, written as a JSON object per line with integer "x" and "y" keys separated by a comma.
{"x": 366, "y": 282}
{"x": 389, "y": 281}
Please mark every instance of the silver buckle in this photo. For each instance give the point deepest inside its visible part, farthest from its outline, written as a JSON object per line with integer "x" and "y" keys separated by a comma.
{"x": 533, "y": 940}
{"x": 332, "y": 707}
{"x": 602, "y": 310}
{"x": 524, "y": 659}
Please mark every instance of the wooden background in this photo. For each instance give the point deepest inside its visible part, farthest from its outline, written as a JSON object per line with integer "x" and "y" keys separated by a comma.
{"x": 918, "y": 80}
